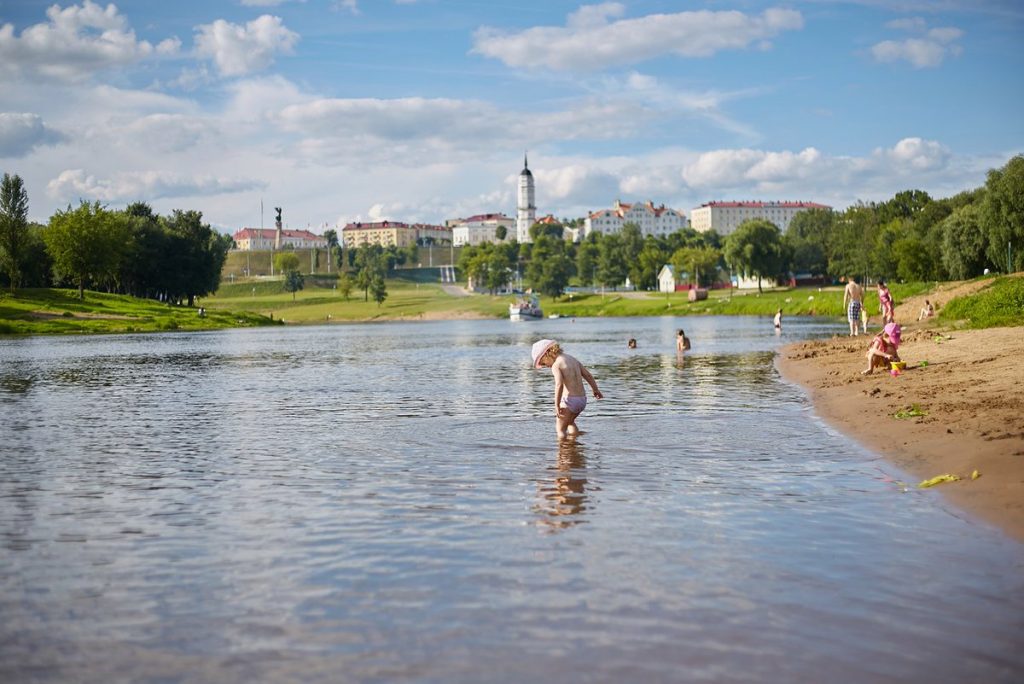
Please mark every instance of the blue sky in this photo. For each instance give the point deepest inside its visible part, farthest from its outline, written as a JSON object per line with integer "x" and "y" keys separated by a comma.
{"x": 421, "y": 110}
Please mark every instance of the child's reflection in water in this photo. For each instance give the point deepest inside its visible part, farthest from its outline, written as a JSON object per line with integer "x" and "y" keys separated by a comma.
{"x": 563, "y": 498}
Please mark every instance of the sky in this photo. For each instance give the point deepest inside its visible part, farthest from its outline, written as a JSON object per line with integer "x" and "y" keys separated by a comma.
{"x": 423, "y": 110}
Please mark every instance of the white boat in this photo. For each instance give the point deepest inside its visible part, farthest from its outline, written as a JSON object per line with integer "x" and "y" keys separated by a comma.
{"x": 525, "y": 309}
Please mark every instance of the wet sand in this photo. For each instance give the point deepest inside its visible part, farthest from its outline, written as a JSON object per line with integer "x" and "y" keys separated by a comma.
{"x": 970, "y": 385}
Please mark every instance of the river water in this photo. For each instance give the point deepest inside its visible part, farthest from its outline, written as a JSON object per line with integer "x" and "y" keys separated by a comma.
{"x": 389, "y": 503}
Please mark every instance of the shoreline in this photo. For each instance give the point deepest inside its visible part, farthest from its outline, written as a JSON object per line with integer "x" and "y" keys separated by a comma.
{"x": 969, "y": 384}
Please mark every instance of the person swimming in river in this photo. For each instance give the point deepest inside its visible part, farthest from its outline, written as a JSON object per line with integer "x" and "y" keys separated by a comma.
{"x": 570, "y": 396}
{"x": 682, "y": 341}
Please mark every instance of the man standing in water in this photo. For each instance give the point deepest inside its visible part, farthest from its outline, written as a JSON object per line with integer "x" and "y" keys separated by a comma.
{"x": 853, "y": 301}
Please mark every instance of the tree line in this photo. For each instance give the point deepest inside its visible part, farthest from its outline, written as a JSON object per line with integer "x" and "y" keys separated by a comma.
{"x": 174, "y": 258}
{"x": 910, "y": 237}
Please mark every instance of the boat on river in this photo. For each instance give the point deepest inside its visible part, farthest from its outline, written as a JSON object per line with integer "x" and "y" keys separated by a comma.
{"x": 525, "y": 309}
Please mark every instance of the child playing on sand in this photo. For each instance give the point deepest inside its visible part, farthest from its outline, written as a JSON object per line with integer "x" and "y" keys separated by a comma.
{"x": 570, "y": 397}
{"x": 883, "y": 349}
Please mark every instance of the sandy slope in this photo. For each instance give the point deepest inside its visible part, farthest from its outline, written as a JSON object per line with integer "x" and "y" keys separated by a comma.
{"x": 972, "y": 390}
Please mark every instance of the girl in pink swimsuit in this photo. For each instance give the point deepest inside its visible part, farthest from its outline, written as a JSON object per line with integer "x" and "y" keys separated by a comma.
{"x": 570, "y": 396}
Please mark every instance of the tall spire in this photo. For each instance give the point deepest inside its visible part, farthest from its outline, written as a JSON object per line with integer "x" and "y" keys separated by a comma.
{"x": 526, "y": 164}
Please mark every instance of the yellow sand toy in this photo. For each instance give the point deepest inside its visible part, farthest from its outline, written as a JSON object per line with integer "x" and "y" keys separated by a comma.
{"x": 899, "y": 365}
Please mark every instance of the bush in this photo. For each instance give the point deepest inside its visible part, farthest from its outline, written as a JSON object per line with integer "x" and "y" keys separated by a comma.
{"x": 1001, "y": 304}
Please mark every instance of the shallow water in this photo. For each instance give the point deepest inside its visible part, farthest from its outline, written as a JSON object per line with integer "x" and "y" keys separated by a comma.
{"x": 389, "y": 502}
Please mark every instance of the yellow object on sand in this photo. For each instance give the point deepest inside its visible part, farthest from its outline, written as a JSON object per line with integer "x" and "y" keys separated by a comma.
{"x": 899, "y": 365}
{"x": 975, "y": 475}
{"x": 939, "y": 479}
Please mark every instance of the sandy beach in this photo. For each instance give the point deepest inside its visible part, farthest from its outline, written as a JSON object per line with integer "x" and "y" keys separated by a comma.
{"x": 969, "y": 386}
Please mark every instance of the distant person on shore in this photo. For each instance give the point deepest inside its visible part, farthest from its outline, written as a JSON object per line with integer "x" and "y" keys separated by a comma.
{"x": 778, "y": 319}
{"x": 682, "y": 341}
{"x": 570, "y": 396}
{"x": 632, "y": 343}
{"x": 853, "y": 301}
{"x": 927, "y": 311}
{"x": 885, "y": 301}
{"x": 884, "y": 348}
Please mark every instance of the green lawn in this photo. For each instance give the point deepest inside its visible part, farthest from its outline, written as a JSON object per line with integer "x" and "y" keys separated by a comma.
{"x": 55, "y": 311}
{"x": 410, "y": 299}
{"x": 998, "y": 304}
{"x": 315, "y": 303}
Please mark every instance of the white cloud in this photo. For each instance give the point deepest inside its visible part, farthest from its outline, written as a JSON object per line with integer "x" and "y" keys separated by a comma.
{"x": 590, "y": 41}
{"x": 348, "y": 5}
{"x": 908, "y": 24}
{"x": 916, "y": 154}
{"x": 167, "y": 132}
{"x": 266, "y": 3}
{"x": 928, "y": 50}
{"x": 74, "y": 184}
{"x": 21, "y": 132}
{"x": 76, "y": 41}
{"x": 414, "y": 131}
{"x": 238, "y": 50}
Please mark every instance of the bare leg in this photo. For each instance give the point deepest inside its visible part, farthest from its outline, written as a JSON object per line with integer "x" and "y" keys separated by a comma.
{"x": 565, "y": 424}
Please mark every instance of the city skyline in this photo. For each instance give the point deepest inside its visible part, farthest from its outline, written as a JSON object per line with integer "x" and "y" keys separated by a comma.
{"x": 421, "y": 110}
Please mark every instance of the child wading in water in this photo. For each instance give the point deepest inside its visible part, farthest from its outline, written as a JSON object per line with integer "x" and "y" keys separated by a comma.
{"x": 883, "y": 349}
{"x": 570, "y": 397}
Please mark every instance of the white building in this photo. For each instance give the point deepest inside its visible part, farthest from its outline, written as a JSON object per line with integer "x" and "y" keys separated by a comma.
{"x": 526, "y": 206}
{"x": 725, "y": 217}
{"x": 248, "y": 239}
{"x": 667, "y": 279}
{"x": 478, "y": 229}
{"x": 658, "y": 221}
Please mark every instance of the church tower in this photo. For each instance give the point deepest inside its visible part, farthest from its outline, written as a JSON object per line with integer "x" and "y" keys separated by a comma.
{"x": 526, "y": 208}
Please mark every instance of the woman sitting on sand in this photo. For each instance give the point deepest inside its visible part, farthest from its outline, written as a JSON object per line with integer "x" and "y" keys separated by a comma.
{"x": 883, "y": 349}
{"x": 927, "y": 311}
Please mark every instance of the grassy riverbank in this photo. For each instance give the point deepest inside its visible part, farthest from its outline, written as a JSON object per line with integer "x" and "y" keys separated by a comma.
{"x": 55, "y": 311}
{"x": 408, "y": 299}
{"x": 264, "y": 301}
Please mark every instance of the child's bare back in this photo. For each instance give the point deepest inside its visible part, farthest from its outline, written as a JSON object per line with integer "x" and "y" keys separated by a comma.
{"x": 569, "y": 374}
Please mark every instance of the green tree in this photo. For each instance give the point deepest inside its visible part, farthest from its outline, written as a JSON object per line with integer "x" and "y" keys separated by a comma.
{"x": 611, "y": 262}
{"x": 200, "y": 254}
{"x": 550, "y": 267}
{"x": 553, "y": 230}
{"x": 369, "y": 263}
{"x": 648, "y": 264}
{"x": 587, "y": 256}
{"x": 293, "y": 282}
{"x": 883, "y": 257}
{"x": 913, "y": 260}
{"x": 964, "y": 243}
{"x": 378, "y": 289}
{"x": 903, "y": 205}
{"x": 756, "y": 249}
{"x": 86, "y": 244}
{"x": 499, "y": 270}
{"x": 38, "y": 266}
{"x": 500, "y": 232}
{"x": 807, "y": 236}
{"x": 286, "y": 261}
{"x": 144, "y": 270}
{"x": 699, "y": 263}
{"x": 849, "y": 244}
{"x": 14, "y": 234}
{"x": 1003, "y": 214}
{"x": 632, "y": 245}
{"x": 344, "y": 286}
